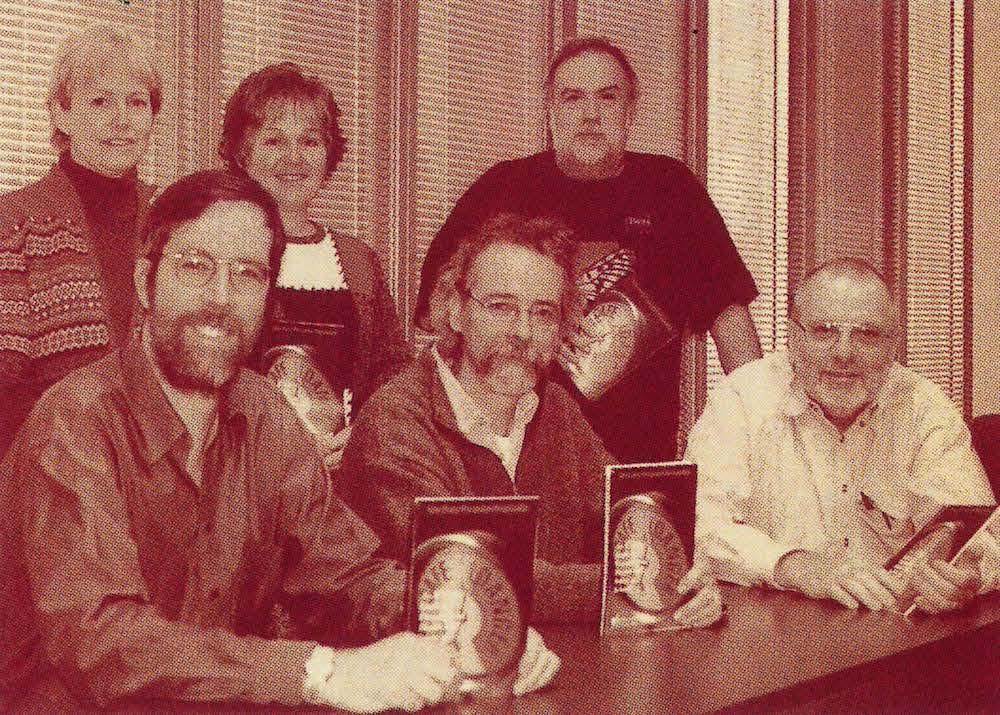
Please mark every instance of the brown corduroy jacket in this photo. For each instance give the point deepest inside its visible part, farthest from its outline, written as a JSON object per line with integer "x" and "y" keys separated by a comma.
{"x": 407, "y": 443}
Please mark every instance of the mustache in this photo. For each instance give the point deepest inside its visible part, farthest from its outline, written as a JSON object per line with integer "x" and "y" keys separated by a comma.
{"x": 520, "y": 352}
{"x": 219, "y": 318}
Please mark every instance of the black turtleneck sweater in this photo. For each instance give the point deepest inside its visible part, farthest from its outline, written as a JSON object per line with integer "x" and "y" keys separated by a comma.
{"x": 110, "y": 205}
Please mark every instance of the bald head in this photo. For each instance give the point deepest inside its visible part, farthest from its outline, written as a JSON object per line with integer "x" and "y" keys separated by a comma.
{"x": 844, "y": 276}
{"x": 843, "y": 337}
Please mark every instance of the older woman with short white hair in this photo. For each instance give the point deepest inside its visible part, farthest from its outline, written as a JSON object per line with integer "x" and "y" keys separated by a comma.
{"x": 68, "y": 241}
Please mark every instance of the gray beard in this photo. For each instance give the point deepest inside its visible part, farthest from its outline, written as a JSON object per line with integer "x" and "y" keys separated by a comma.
{"x": 186, "y": 368}
{"x": 574, "y": 168}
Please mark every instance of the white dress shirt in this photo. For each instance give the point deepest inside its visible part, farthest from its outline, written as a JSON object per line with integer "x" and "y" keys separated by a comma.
{"x": 476, "y": 427}
{"x": 775, "y": 475}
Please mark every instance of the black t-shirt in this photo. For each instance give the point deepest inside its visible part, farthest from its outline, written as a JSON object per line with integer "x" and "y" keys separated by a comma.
{"x": 654, "y": 221}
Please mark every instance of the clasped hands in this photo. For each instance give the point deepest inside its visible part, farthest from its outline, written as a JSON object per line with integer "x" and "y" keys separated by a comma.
{"x": 408, "y": 672}
{"x": 838, "y": 575}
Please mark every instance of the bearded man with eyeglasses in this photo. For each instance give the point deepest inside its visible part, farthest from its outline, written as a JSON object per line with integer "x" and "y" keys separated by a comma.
{"x": 476, "y": 415}
{"x": 162, "y": 500}
{"x": 816, "y": 465}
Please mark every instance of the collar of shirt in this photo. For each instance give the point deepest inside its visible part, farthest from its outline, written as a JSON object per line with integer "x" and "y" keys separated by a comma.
{"x": 158, "y": 421}
{"x": 473, "y": 423}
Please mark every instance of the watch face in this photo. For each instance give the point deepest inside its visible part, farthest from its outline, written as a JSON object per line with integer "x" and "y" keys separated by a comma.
{"x": 649, "y": 558}
{"x": 464, "y": 597}
{"x": 307, "y": 391}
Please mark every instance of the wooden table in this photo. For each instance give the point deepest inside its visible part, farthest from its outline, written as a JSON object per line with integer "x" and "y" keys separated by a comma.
{"x": 783, "y": 651}
{"x": 775, "y": 651}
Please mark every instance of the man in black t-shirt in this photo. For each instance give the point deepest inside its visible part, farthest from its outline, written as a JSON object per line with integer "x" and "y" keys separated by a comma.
{"x": 656, "y": 257}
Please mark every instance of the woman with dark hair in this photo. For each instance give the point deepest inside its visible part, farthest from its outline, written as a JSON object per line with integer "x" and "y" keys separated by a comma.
{"x": 334, "y": 334}
{"x": 68, "y": 241}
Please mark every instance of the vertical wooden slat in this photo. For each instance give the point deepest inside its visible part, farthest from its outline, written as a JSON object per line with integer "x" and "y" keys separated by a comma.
{"x": 894, "y": 155}
{"x": 967, "y": 213}
{"x": 801, "y": 141}
{"x": 404, "y": 123}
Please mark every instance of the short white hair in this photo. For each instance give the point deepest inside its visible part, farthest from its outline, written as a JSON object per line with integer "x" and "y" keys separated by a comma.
{"x": 81, "y": 55}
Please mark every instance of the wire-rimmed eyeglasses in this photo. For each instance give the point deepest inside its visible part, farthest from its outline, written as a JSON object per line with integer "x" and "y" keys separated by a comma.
{"x": 862, "y": 335}
{"x": 506, "y": 310}
{"x": 196, "y": 269}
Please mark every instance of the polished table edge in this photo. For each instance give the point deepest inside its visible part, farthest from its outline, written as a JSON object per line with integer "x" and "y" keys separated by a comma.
{"x": 775, "y": 651}
{"x": 775, "y": 648}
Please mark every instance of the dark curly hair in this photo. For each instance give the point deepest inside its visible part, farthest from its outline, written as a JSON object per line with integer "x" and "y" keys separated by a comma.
{"x": 247, "y": 109}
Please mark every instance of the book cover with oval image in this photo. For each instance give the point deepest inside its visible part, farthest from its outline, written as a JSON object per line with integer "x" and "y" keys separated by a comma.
{"x": 470, "y": 583}
{"x": 648, "y": 544}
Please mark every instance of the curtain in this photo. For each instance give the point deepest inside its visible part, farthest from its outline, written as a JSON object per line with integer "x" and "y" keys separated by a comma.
{"x": 479, "y": 100}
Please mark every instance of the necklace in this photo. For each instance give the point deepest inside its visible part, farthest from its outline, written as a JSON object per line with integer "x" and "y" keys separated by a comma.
{"x": 315, "y": 236}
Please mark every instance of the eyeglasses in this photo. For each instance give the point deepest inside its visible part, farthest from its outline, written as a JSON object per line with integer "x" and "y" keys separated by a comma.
{"x": 196, "y": 269}
{"x": 868, "y": 337}
{"x": 542, "y": 316}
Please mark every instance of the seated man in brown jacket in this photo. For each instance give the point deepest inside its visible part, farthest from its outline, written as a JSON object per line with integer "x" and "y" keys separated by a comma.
{"x": 159, "y": 501}
{"x": 475, "y": 416}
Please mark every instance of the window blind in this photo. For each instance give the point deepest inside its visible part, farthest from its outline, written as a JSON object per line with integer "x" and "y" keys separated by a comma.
{"x": 334, "y": 41}
{"x": 935, "y": 194}
{"x": 480, "y": 75}
{"x": 30, "y": 33}
{"x": 747, "y": 150}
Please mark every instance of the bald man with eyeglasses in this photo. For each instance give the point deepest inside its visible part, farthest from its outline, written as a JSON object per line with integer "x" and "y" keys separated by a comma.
{"x": 818, "y": 464}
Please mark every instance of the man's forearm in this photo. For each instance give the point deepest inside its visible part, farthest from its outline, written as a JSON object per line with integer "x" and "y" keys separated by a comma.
{"x": 740, "y": 553}
{"x": 375, "y": 602}
{"x": 735, "y": 337}
{"x": 125, "y": 650}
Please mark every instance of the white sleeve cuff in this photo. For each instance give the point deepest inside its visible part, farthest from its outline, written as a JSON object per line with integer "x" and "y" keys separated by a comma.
{"x": 319, "y": 668}
{"x": 745, "y": 556}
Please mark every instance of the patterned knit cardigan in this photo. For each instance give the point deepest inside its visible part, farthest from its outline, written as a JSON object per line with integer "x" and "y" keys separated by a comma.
{"x": 53, "y": 317}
